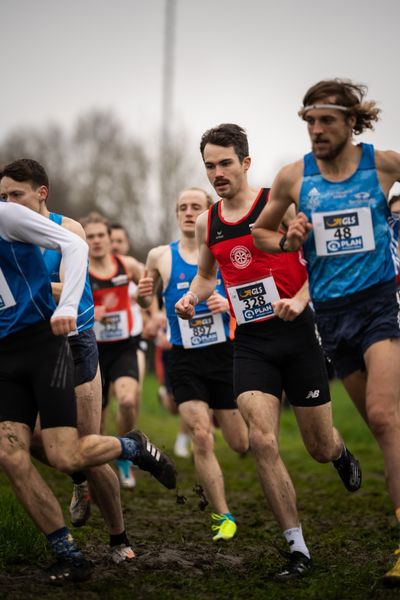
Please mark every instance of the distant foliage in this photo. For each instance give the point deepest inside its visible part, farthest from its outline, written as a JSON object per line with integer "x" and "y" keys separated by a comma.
{"x": 99, "y": 166}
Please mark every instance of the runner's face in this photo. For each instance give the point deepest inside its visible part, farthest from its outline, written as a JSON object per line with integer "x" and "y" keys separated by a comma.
{"x": 224, "y": 170}
{"x": 98, "y": 240}
{"x": 119, "y": 242}
{"x": 190, "y": 204}
{"x": 329, "y": 132}
{"x": 22, "y": 192}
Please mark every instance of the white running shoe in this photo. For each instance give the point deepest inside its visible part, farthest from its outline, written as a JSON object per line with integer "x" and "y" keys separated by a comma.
{"x": 182, "y": 446}
{"x": 126, "y": 474}
{"x": 122, "y": 553}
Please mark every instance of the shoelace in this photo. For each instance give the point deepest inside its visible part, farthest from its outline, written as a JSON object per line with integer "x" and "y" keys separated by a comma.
{"x": 220, "y": 518}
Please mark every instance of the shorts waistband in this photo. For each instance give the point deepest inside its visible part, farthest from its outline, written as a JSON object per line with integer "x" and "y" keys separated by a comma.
{"x": 357, "y": 297}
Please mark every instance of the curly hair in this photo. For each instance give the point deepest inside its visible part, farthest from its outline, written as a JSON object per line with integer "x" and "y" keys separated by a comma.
{"x": 348, "y": 94}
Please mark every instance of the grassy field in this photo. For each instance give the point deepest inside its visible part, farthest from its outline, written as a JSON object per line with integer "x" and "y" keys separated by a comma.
{"x": 351, "y": 536}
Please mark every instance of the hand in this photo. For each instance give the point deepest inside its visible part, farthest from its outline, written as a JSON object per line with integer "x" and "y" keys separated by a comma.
{"x": 288, "y": 309}
{"x": 217, "y": 303}
{"x": 185, "y": 307}
{"x": 62, "y": 325}
{"x": 145, "y": 285}
{"x": 99, "y": 312}
{"x": 297, "y": 232}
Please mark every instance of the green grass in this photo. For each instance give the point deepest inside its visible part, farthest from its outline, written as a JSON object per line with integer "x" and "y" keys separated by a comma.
{"x": 351, "y": 536}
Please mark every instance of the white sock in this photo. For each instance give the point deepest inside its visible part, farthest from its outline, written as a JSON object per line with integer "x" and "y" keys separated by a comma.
{"x": 294, "y": 538}
{"x": 182, "y": 438}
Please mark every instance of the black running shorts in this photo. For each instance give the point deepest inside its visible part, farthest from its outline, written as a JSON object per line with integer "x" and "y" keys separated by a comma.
{"x": 275, "y": 356}
{"x": 85, "y": 355}
{"x": 117, "y": 359}
{"x": 203, "y": 374}
{"x": 37, "y": 376}
{"x": 348, "y": 326}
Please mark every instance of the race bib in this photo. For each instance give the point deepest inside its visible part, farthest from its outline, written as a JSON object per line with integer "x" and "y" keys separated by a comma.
{"x": 112, "y": 328}
{"x": 343, "y": 232}
{"x": 202, "y": 330}
{"x": 6, "y": 298}
{"x": 253, "y": 301}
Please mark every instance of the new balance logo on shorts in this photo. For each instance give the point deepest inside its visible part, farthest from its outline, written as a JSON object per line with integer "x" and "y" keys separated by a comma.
{"x": 312, "y": 394}
{"x": 153, "y": 450}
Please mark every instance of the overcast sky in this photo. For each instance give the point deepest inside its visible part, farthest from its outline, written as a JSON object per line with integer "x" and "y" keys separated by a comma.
{"x": 248, "y": 62}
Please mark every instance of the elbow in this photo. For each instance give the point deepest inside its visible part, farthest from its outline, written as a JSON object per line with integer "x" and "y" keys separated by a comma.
{"x": 257, "y": 238}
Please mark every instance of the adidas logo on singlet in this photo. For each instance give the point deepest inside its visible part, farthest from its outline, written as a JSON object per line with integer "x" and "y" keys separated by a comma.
{"x": 313, "y": 193}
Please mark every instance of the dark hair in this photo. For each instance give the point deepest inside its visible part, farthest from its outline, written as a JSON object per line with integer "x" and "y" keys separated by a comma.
{"x": 348, "y": 94}
{"x": 394, "y": 199}
{"x": 26, "y": 169}
{"x": 226, "y": 135}
{"x": 95, "y": 217}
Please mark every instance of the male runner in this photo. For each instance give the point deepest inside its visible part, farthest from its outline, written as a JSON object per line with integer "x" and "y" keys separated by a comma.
{"x": 275, "y": 346}
{"x": 200, "y": 360}
{"x": 110, "y": 276}
{"x": 26, "y": 182}
{"x": 36, "y": 376}
{"x": 340, "y": 190}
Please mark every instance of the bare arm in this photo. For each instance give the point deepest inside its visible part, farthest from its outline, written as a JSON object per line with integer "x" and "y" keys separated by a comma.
{"x": 284, "y": 193}
{"x": 152, "y": 277}
{"x": 204, "y": 282}
{"x": 288, "y": 309}
{"x": 134, "y": 268}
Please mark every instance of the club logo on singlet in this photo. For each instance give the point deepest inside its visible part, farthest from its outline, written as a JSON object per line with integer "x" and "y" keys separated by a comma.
{"x": 240, "y": 257}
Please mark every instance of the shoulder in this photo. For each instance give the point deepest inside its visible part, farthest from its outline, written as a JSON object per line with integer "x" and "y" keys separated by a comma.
{"x": 73, "y": 226}
{"x": 291, "y": 173}
{"x": 202, "y": 224}
{"x": 387, "y": 161}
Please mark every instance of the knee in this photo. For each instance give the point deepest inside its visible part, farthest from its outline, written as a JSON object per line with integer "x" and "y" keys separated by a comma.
{"x": 65, "y": 462}
{"x": 263, "y": 444}
{"x": 319, "y": 452}
{"x": 202, "y": 439}
{"x": 382, "y": 419}
{"x": 14, "y": 462}
{"x": 127, "y": 403}
{"x": 240, "y": 444}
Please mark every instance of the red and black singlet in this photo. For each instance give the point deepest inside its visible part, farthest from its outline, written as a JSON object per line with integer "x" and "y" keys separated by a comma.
{"x": 112, "y": 293}
{"x": 252, "y": 277}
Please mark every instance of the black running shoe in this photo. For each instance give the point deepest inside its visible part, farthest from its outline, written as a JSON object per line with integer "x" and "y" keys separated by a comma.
{"x": 153, "y": 460}
{"x": 65, "y": 570}
{"x": 298, "y": 565}
{"x": 349, "y": 470}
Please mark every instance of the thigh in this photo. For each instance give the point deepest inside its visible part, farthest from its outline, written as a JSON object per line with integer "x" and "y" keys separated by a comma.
{"x": 253, "y": 369}
{"x": 88, "y": 402}
{"x": 260, "y": 411}
{"x": 85, "y": 355}
{"x": 315, "y": 424}
{"x": 125, "y": 387}
{"x": 305, "y": 378}
{"x": 196, "y": 414}
{"x": 382, "y": 360}
{"x": 356, "y": 386}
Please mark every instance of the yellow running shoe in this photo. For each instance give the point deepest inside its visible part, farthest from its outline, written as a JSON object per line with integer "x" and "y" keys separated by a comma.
{"x": 225, "y": 529}
{"x": 392, "y": 577}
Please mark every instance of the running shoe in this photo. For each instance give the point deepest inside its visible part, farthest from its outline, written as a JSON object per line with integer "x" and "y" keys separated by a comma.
{"x": 349, "y": 470}
{"x": 298, "y": 565}
{"x": 182, "y": 446}
{"x": 153, "y": 460}
{"x": 224, "y": 527}
{"x": 392, "y": 577}
{"x": 79, "y": 508}
{"x": 65, "y": 570}
{"x": 122, "y": 553}
{"x": 126, "y": 474}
